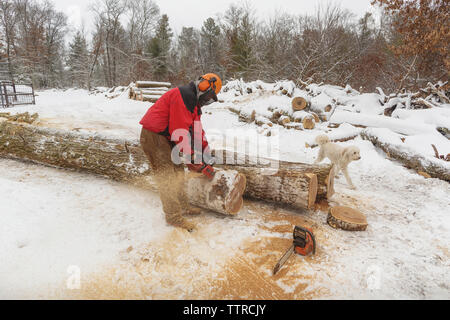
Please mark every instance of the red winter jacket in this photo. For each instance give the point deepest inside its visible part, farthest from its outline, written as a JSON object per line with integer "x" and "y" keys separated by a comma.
{"x": 177, "y": 109}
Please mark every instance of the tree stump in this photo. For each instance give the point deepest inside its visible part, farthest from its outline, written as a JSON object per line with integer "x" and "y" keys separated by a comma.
{"x": 299, "y": 103}
{"x": 346, "y": 218}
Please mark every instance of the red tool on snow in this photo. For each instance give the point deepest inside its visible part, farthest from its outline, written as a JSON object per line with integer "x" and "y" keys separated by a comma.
{"x": 304, "y": 243}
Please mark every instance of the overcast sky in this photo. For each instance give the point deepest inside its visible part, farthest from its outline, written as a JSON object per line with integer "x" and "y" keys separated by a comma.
{"x": 192, "y": 13}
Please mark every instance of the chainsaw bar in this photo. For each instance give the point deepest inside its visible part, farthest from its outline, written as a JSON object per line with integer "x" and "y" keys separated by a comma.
{"x": 283, "y": 259}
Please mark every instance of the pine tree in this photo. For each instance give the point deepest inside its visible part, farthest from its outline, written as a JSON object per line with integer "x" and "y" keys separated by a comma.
{"x": 210, "y": 39}
{"x": 159, "y": 47}
{"x": 78, "y": 60}
{"x": 240, "y": 34}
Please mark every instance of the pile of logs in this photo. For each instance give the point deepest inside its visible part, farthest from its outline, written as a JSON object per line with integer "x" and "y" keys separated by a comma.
{"x": 148, "y": 91}
{"x": 297, "y": 185}
{"x": 300, "y": 117}
{"x": 429, "y": 97}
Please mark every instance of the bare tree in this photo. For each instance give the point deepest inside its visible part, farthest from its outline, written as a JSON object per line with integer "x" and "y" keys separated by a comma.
{"x": 7, "y": 22}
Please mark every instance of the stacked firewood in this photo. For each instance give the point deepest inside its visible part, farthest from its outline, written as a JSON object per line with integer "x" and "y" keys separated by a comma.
{"x": 429, "y": 97}
{"x": 148, "y": 91}
{"x": 300, "y": 117}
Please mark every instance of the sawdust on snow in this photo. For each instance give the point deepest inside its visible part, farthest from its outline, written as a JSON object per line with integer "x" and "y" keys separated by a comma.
{"x": 168, "y": 269}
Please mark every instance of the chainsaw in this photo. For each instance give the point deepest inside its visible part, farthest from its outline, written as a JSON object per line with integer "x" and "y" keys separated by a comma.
{"x": 304, "y": 243}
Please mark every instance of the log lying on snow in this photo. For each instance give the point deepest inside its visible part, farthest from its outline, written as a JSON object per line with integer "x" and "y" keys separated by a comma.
{"x": 124, "y": 160}
{"x": 436, "y": 168}
{"x": 119, "y": 159}
{"x": 296, "y": 184}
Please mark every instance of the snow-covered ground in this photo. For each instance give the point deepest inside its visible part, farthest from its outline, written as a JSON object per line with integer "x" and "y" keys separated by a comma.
{"x": 116, "y": 235}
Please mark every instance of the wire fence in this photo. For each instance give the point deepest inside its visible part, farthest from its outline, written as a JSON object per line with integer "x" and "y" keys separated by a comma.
{"x": 12, "y": 94}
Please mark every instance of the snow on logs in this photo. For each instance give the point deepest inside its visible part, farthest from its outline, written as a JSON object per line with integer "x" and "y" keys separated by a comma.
{"x": 391, "y": 143}
{"x": 149, "y": 91}
{"x": 300, "y": 117}
{"x": 294, "y": 184}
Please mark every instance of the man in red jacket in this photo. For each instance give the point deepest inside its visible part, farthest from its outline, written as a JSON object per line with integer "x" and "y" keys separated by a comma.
{"x": 173, "y": 126}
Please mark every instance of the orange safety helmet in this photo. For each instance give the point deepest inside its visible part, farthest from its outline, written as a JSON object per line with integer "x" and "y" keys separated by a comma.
{"x": 210, "y": 80}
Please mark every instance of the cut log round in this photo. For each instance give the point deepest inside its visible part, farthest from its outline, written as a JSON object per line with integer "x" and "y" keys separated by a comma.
{"x": 346, "y": 218}
{"x": 222, "y": 194}
{"x": 308, "y": 123}
{"x": 299, "y": 103}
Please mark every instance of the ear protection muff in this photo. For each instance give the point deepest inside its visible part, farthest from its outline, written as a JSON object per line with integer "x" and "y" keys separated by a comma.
{"x": 206, "y": 84}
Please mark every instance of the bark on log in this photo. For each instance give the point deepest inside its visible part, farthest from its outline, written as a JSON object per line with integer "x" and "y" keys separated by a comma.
{"x": 295, "y": 188}
{"x": 119, "y": 159}
{"x": 346, "y": 218}
{"x": 149, "y": 98}
{"x": 124, "y": 160}
{"x": 284, "y": 182}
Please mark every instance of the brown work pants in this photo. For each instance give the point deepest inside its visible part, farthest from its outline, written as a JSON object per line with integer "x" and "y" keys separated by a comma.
{"x": 169, "y": 176}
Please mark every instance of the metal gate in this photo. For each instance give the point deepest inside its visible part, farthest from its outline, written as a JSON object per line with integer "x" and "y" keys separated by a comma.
{"x": 12, "y": 94}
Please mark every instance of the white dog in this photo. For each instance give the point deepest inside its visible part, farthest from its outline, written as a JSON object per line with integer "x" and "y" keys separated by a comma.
{"x": 339, "y": 156}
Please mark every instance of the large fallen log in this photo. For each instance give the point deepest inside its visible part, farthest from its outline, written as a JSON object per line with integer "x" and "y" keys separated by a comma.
{"x": 296, "y": 184}
{"x": 124, "y": 160}
{"x": 119, "y": 159}
{"x": 436, "y": 168}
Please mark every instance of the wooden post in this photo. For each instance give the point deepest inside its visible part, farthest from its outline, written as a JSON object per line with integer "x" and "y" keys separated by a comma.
{"x": 6, "y": 95}
{"x": 1, "y": 95}
{"x": 32, "y": 92}
{"x": 14, "y": 89}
